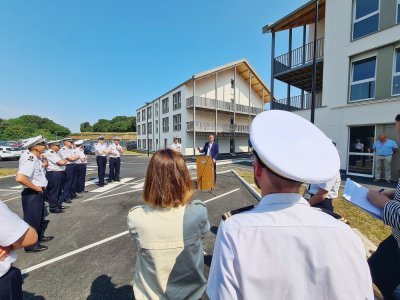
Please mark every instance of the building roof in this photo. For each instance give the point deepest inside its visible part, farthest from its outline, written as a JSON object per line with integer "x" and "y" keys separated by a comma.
{"x": 243, "y": 68}
{"x": 302, "y": 16}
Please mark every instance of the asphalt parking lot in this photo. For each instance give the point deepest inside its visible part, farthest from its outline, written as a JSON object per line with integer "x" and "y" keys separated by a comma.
{"x": 92, "y": 255}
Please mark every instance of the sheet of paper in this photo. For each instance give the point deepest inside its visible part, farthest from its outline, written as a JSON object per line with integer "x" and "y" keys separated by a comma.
{"x": 357, "y": 194}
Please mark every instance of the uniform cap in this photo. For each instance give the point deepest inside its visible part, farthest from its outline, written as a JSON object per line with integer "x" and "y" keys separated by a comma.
{"x": 34, "y": 141}
{"x": 293, "y": 147}
{"x": 67, "y": 140}
{"x": 78, "y": 142}
{"x": 100, "y": 137}
{"x": 116, "y": 138}
{"x": 54, "y": 142}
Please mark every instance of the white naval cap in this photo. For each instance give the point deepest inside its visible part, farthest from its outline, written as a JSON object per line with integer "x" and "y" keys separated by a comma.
{"x": 293, "y": 147}
{"x": 34, "y": 141}
{"x": 54, "y": 142}
{"x": 78, "y": 142}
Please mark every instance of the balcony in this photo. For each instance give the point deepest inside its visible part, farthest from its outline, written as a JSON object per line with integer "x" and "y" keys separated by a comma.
{"x": 296, "y": 103}
{"x": 207, "y": 103}
{"x": 210, "y": 127}
{"x": 295, "y": 67}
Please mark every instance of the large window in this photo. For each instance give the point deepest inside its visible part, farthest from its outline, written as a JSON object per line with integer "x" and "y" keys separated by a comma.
{"x": 156, "y": 109}
{"x": 177, "y": 122}
{"x": 144, "y": 144}
{"x": 362, "y": 85}
{"x": 150, "y": 144}
{"x": 165, "y": 105}
{"x": 149, "y": 112}
{"x": 165, "y": 122}
{"x": 365, "y": 17}
{"x": 143, "y": 114}
{"x": 156, "y": 126}
{"x": 138, "y": 130}
{"x": 177, "y": 100}
{"x": 138, "y": 117}
{"x": 360, "y": 156}
{"x": 139, "y": 144}
{"x": 396, "y": 73}
{"x": 150, "y": 127}
{"x": 144, "y": 129}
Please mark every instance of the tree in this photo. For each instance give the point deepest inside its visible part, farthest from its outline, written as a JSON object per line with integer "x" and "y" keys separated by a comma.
{"x": 86, "y": 127}
{"x": 116, "y": 124}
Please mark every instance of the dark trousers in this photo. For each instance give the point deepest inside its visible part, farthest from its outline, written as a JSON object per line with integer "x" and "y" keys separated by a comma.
{"x": 54, "y": 187}
{"x": 385, "y": 267}
{"x": 101, "y": 168}
{"x": 33, "y": 207}
{"x": 81, "y": 172}
{"x": 69, "y": 178}
{"x": 215, "y": 173}
{"x": 11, "y": 285}
{"x": 75, "y": 183}
{"x": 325, "y": 204}
{"x": 115, "y": 166}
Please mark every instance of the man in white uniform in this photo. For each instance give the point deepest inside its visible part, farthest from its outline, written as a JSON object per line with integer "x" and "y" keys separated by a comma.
{"x": 14, "y": 234}
{"x": 114, "y": 163}
{"x": 283, "y": 248}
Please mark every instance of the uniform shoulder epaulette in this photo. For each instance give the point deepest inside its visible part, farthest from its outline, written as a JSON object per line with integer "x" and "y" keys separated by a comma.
{"x": 236, "y": 211}
{"x": 30, "y": 158}
{"x": 51, "y": 151}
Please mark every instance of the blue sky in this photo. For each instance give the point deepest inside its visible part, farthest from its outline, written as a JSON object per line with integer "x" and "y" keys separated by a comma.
{"x": 81, "y": 60}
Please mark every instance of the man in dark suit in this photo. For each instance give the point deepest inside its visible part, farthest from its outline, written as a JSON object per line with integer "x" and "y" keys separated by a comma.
{"x": 211, "y": 149}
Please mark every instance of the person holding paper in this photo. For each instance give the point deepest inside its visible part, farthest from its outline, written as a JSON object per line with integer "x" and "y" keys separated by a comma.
{"x": 322, "y": 194}
{"x": 384, "y": 150}
{"x": 385, "y": 262}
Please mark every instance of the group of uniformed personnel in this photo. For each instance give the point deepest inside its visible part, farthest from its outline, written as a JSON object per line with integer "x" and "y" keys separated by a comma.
{"x": 114, "y": 151}
{"x": 46, "y": 171}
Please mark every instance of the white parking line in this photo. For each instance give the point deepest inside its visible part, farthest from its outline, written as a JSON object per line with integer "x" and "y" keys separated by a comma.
{"x": 45, "y": 263}
{"x": 111, "y": 185}
{"x": 19, "y": 197}
{"x": 222, "y": 195}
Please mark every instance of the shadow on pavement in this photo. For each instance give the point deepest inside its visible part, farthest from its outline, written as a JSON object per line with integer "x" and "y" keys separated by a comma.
{"x": 103, "y": 289}
{"x": 31, "y": 296}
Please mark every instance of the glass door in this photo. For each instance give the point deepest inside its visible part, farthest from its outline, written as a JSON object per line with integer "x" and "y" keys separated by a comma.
{"x": 360, "y": 156}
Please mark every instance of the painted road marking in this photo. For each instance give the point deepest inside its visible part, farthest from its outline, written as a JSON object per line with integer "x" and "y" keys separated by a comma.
{"x": 111, "y": 185}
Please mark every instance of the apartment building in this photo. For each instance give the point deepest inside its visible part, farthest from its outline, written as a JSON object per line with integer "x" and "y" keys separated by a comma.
{"x": 222, "y": 101}
{"x": 355, "y": 57}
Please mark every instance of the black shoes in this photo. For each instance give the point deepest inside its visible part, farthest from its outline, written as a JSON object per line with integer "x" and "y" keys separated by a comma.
{"x": 39, "y": 248}
{"x": 63, "y": 207}
{"x": 56, "y": 211}
{"x": 68, "y": 201}
{"x": 47, "y": 238}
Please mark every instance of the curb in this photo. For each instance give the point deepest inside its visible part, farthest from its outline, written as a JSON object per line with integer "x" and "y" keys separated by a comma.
{"x": 7, "y": 176}
{"x": 248, "y": 186}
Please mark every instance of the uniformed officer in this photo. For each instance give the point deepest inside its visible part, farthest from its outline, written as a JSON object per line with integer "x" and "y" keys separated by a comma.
{"x": 68, "y": 154}
{"x": 284, "y": 248}
{"x": 115, "y": 152}
{"x": 32, "y": 175}
{"x": 81, "y": 165}
{"x": 101, "y": 159}
{"x": 55, "y": 174}
{"x": 74, "y": 185}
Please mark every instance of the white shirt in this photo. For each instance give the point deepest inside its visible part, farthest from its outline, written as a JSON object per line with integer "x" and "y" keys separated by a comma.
{"x": 113, "y": 148}
{"x": 11, "y": 229}
{"x": 53, "y": 157}
{"x": 331, "y": 186}
{"x": 100, "y": 147}
{"x": 209, "y": 149}
{"x": 176, "y": 147}
{"x": 67, "y": 152}
{"x": 284, "y": 249}
{"x": 31, "y": 166}
{"x": 81, "y": 153}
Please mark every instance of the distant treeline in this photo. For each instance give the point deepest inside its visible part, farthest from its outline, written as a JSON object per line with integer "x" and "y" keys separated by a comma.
{"x": 27, "y": 126}
{"x": 116, "y": 124}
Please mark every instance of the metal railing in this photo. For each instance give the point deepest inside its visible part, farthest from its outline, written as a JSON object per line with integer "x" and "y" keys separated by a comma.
{"x": 204, "y": 102}
{"x": 298, "y": 102}
{"x": 210, "y": 127}
{"x": 299, "y": 56}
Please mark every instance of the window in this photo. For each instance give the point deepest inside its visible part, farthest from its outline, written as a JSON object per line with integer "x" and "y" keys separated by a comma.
{"x": 138, "y": 117}
{"x": 396, "y": 73}
{"x": 144, "y": 144}
{"x": 165, "y": 105}
{"x": 156, "y": 126}
{"x": 365, "y": 17}
{"x": 150, "y": 127}
{"x": 144, "y": 129}
{"x": 177, "y": 122}
{"x": 149, "y": 112}
{"x": 156, "y": 109}
{"x": 177, "y": 100}
{"x": 139, "y": 144}
{"x": 398, "y": 11}
{"x": 165, "y": 122}
{"x": 138, "y": 129}
{"x": 143, "y": 114}
{"x": 157, "y": 144}
{"x": 362, "y": 84}
{"x": 150, "y": 144}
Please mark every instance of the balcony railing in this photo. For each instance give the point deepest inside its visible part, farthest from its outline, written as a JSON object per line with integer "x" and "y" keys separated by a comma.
{"x": 221, "y": 105}
{"x": 298, "y": 102}
{"x": 210, "y": 127}
{"x": 299, "y": 56}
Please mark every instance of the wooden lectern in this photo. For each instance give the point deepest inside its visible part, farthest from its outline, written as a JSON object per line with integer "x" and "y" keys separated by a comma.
{"x": 205, "y": 172}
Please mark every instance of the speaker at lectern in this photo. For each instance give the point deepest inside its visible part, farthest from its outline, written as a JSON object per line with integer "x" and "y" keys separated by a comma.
{"x": 205, "y": 172}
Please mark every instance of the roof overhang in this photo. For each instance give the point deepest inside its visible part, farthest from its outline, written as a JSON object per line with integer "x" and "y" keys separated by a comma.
{"x": 302, "y": 16}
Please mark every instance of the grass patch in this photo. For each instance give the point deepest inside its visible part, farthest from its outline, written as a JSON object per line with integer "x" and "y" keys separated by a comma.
{"x": 8, "y": 171}
{"x": 372, "y": 228}
{"x": 136, "y": 152}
